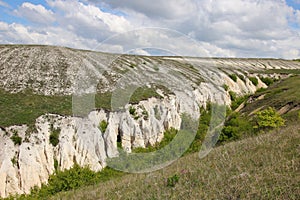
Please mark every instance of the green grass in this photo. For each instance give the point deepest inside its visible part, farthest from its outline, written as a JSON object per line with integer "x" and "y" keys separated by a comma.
{"x": 279, "y": 71}
{"x": 71, "y": 179}
{"x": 245, "y": 169}
{"x": 267, "y": 80}
{"x": 143, "y": 93}
{"x": 282, "y": 93}
{"x": 233, "y": 77}
{"x": 262, "y": 167}
{"x": 254, "y": 80}
{"x": 24, "y": 107}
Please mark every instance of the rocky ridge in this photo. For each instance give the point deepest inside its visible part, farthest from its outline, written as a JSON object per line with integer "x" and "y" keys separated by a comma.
{"x": 63, "y": 71}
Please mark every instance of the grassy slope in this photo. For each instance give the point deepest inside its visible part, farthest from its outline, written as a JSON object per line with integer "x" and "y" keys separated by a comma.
{"x": 263, "y": 167}
{"x": 25, "y": 107}
{"x": 282, "y": 93}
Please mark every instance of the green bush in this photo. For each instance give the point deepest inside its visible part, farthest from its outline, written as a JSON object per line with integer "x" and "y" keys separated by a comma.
{"x": 54, "y": 135}
{"x": 254, "y": 80}
{"x": 69, "y": 180}
{"x": 145, "y": 114}
{"x": 233, "y": 77}
{"x": 56, "y": 164}
{"x": 226, "y": 87}
{"x": 268, "y": 118}
{"x": 132, "y": 110}
{"x": 232, "y": 95}
{"x": 16, "y": 139}
{"x": 238, "y": 101}
{"x": 235, "y": 127}
{"x": 14, "y": 161}
{"x": 204, "y": 122}
{"x": 268, "y": 81}
{"x": 172, "y": 180}
{"x": 260, "y": 90}
{"x": 103, "y": 125}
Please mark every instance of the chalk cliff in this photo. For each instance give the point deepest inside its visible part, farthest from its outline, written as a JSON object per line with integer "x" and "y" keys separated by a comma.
{"x": 56, "y": 70}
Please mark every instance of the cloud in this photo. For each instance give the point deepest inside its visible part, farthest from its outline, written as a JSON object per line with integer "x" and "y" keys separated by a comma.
{"x": 90, "y": 16}
{"x": 168, "y": 9}
{"x": 298, "y": 16}
{"x": 35, "y": 13}
{"x": 236, "y": 28}
{"x": 4, "y": 4}
{"x": 164, "y": 40}
{"x": 18, "y": 33}
{"x": 88, "y": 21}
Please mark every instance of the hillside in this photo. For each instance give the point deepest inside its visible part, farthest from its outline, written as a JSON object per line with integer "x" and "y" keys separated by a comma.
{"x": 52, "y": 70}
{"x": 262, "y": 167}
{"x": 61, "y": 107}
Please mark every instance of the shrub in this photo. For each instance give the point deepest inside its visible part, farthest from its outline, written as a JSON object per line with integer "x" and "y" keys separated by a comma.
{"x": 232, "y": 95}
{"x": 172, "y": 180}
{"x": 254, "y": 80}
{"x": 233, "y": 77}
{"x": 31, "y": 129}
{"x": 54, "y": 135}
{"x": 71, "y": 179}
{"x": 14, "y": 161}
{"x": 55, "y": 164}
{"x": 16, "y": 139}
{"x": 268, "y": 81}
{"x": 268, "y": 118}
{"x": 204, "y": 122}
{"x": 103, "y": 125}
{"x": 145, "y": 114}
{"x": 260, "y": 90}
{"x": 238, "y": 101}
{"x": 235, "y": 127}
{"x": 132, "y": 110}
{"x": 226, "y": 87}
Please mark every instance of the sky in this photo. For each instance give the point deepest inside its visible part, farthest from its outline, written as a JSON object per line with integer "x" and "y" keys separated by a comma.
{"x": 205, "y": 28}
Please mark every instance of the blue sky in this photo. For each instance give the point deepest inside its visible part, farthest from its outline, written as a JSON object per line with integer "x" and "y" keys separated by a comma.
{"x": 294, "y": 3}
{"x": 236, "y": 28}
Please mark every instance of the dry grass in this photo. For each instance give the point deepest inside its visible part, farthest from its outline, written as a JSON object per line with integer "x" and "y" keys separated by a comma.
{"x": 262, "y": 167}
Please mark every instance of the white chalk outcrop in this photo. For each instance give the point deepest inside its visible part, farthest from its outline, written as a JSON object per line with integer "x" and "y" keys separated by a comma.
{"x": 81, "y": 141}
{"x": 53, "y": 70}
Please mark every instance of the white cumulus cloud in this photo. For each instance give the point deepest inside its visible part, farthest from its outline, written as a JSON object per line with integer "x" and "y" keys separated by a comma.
{"x": 236, "y": 28}
{"x": 35, "y": 13}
